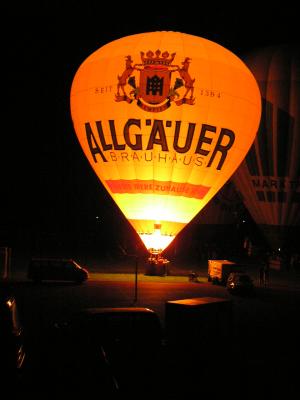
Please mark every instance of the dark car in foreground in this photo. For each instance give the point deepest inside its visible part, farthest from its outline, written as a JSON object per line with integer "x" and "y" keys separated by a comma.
{"x": 240, "y": 283}
{"x": 118, "y": 345}
{"x": 12, "y": 347}
{"x": 54, "y": 269}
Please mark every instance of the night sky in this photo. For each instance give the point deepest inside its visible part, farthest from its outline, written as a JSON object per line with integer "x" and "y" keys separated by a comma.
{"x": 46, "y": 182}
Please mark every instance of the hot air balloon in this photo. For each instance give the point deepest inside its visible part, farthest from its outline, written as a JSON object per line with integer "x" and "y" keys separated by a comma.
{"x": 164, "y": 119}
{"x": 217, "y": 231}
{"x": 268, "y": 179}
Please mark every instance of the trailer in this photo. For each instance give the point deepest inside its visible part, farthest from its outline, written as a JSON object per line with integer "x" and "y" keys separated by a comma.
{"x": 198, "y": 321}
{"x": 219, "y": 270}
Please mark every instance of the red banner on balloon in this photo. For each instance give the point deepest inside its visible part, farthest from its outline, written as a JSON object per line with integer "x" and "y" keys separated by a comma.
{"x": 157, "y": 187}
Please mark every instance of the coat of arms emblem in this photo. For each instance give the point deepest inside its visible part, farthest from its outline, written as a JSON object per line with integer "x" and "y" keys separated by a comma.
{"x": 154, "y": 91}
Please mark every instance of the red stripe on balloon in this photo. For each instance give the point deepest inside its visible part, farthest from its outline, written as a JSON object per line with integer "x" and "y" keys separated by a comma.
{"x": 157, "y": 187}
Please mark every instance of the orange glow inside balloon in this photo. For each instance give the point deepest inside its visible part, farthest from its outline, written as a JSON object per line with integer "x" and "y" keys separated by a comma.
{"x": 164, "y": 119}
{"x": 156, "y": 241}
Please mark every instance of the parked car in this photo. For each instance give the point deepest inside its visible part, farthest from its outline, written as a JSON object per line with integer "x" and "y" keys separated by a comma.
{"x": 135, "y": 330}
{"x": 41, "y": 269}
{"x": 70, "y": 363}
{"x": 12, "y": 347}
{"x": 129, "y": 337}
{"x": 240, "y": 283}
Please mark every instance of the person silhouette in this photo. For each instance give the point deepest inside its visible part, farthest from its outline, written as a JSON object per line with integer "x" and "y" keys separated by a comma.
{"x": 261, "y": 275}
{"x": 266, "y": 270}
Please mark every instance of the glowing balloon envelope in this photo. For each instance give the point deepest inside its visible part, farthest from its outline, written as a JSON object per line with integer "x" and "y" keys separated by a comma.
{"x": 164, "y": 118}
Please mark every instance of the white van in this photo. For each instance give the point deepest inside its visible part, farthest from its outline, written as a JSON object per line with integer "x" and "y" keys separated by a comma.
{"x": 42, "y": 269}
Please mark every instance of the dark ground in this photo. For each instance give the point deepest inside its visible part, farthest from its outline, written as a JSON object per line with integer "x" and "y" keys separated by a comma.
{"x": 258, "y": 360}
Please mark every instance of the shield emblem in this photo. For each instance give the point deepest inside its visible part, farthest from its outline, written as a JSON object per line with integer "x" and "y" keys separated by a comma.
{"x": 155, "y": 83}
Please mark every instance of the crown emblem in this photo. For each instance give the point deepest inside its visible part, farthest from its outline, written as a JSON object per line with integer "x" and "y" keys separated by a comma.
{"x": 157, "y": 58}
{"x": 155, "y": 90}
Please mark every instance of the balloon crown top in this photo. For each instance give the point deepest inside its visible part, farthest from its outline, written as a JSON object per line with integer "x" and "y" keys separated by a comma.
{"x": 157, "y": 58}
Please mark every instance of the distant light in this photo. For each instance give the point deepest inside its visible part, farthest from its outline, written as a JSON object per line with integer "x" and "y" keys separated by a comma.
{"x": 279, "y": 249}
{"x": 97, "y": 217}
{"x": 244, "y": 221}
{"x": 9, "y": 303}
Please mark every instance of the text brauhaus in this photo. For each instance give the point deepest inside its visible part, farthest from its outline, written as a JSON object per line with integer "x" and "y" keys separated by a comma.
{"x": 206, "y": 140}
